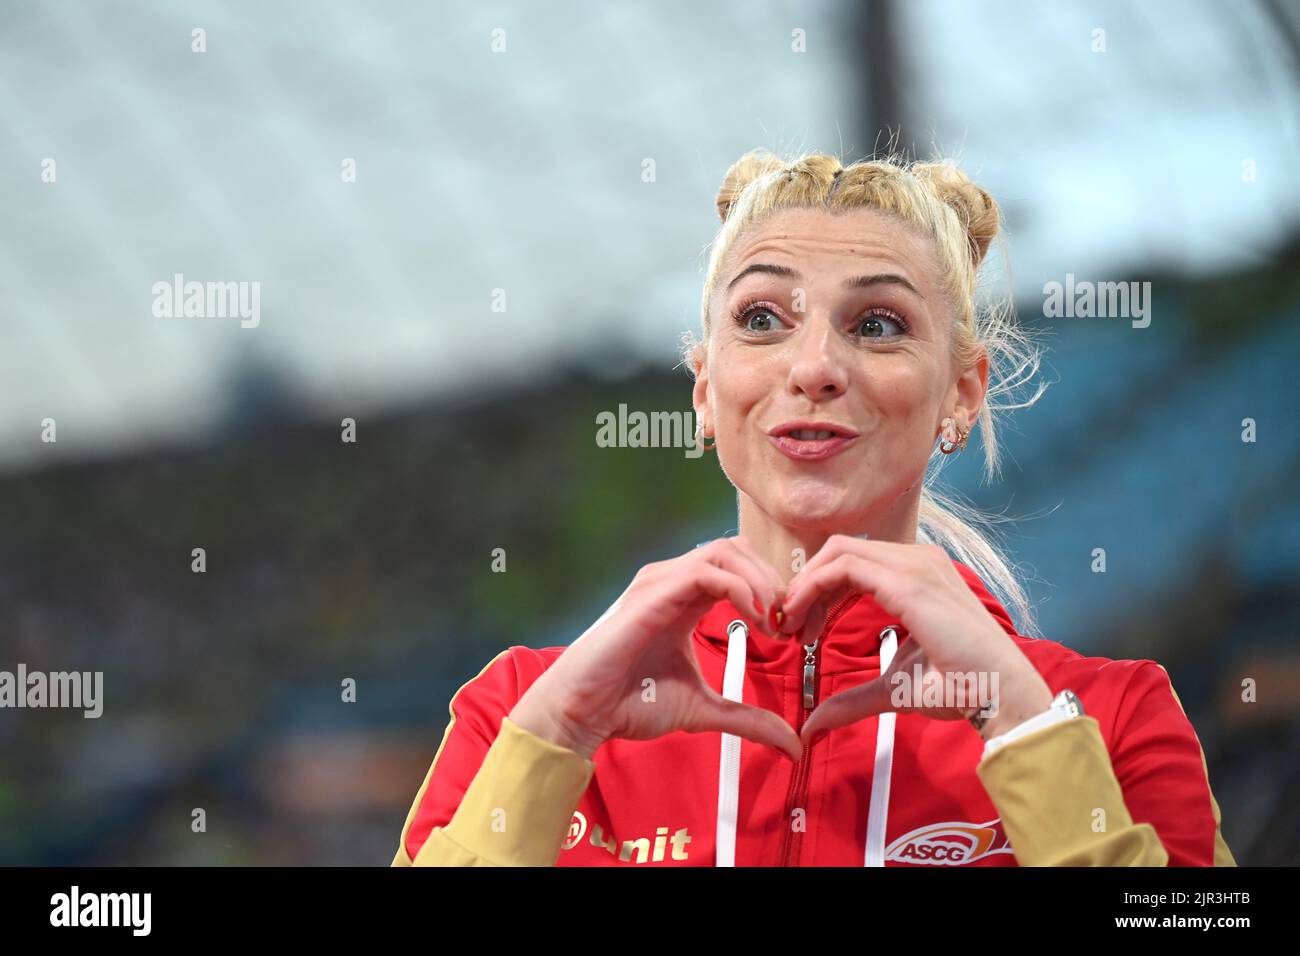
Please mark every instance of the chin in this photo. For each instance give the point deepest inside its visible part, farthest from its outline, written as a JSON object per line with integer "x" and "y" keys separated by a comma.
{"x": 811, "y": 506}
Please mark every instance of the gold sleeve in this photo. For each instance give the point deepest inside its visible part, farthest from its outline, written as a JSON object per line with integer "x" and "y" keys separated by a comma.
{"x": 1061, "y": 803}
{"x": 517, "y": 810}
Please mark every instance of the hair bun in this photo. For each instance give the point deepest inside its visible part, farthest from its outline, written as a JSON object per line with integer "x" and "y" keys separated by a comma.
{"x": 755, "y": 163}
{"x": 975, "y": 208}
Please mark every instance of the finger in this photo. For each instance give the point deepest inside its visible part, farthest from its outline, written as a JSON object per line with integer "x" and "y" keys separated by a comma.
{"x": 835, "y": 546}
{"x": 849, "y": 570}
{"x": 769, "y": 584}
{"x": 847, "y": 707}
{"x": 716, "y": 713}
{"x": 746, "y": 547}
{"x": 724, "y": 554}
{"x": 698, "y": 586}
{"x": 765, "y": 582}
{"x": 810, "y": 628}
{"x": 890, "y": 552}
{"x": 907, "y": 559}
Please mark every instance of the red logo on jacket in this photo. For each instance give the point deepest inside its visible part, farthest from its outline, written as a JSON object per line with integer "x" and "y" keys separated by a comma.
{"x": 950, "y": 844}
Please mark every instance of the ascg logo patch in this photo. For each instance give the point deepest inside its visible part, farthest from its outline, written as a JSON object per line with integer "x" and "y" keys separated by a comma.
{"x": 950, "y": 844}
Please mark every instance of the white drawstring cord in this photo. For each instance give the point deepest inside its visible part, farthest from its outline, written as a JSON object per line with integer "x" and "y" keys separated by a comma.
{"x": 733, "y": 684}
{"x": 878, "y": 814}
{"x": 733, "y": 687}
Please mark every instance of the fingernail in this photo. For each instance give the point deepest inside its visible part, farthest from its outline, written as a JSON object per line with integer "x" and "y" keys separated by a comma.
{"x": 774, "y": 618}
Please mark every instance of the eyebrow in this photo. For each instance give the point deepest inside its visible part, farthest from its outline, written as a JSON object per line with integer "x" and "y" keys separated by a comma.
{"x": 856, "y": 282}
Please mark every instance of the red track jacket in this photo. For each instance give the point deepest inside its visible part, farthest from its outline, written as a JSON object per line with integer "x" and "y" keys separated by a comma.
{"x": 1124, "y": 785}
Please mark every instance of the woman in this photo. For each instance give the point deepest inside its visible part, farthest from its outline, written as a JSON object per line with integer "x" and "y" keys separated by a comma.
{"x": 836, "y": 634}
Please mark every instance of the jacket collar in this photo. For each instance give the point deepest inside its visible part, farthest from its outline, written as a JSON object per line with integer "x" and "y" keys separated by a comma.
{"x": 852, "y": 641}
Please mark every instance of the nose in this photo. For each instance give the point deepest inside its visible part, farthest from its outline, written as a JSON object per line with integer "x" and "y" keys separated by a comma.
{"x": 817, "y": 368}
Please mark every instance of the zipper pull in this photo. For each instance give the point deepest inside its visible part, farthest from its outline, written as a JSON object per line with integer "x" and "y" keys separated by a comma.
{"x": 809, "y": 673}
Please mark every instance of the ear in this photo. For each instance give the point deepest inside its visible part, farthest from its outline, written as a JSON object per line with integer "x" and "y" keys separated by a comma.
{"x": 700, "y": 397}
{"x": 966, "y": 397}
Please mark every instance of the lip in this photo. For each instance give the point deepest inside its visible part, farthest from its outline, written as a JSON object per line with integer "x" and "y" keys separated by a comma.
{"x": 811, "y": 449}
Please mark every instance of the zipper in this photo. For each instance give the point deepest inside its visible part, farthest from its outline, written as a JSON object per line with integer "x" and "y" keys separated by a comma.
{"x": 810, "y": 674}
{"x": 797, "y": 794}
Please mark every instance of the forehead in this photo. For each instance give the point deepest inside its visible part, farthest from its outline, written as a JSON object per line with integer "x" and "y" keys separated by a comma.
{"x": 840, "y": 241}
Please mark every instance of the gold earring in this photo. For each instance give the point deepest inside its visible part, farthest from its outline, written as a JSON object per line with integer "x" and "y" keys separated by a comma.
{"x": 948, "y": 446}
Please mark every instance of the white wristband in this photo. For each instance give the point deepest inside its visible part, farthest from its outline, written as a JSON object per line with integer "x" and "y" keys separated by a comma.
{"x": 1052, "y": 715}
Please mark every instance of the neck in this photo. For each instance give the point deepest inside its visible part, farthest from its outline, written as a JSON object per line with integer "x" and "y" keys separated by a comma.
{"x": 788, "y": 548}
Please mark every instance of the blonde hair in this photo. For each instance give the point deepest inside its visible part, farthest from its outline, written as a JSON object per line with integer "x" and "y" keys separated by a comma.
{"x": 962, "y": 220}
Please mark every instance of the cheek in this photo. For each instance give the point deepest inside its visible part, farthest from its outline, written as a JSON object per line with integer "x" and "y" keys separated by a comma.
{"x": 736, "y": 387}
{"x": 896, "y": 393}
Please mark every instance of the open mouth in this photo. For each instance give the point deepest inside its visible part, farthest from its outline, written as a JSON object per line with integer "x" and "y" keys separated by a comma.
{"x": 807, "y": 434}
{"x": 811, "y": 441}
